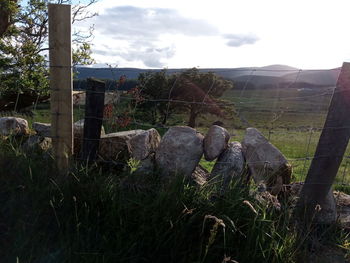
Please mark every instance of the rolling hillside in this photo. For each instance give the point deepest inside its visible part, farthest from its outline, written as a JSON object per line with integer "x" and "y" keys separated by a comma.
{"x": 251, "y": 77}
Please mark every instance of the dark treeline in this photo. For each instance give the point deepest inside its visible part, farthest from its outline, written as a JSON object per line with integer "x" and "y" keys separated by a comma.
{"x": 81, "y": 84}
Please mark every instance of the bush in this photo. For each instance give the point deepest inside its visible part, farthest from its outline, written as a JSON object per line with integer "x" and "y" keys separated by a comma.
{"x": 94, "y": 216}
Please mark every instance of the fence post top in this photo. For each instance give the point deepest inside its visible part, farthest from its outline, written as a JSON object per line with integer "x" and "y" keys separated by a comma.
{"x": 96, "y": 80}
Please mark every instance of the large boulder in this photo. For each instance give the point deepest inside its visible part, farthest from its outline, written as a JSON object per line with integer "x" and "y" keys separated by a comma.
{"x": 215, "y": 142}
{"x": 143, "y": 167}
{"x": 113, "y": 146}
{"x": 42, "y": 129}
{"x": 343, "y": 208}
{"x": 265, "y": 162}
{"x": 13, "y": 125}
{"x": 179, "y": 151}
{"x": 228, "y": 166}
{"x": 78, "y": 130}
{"x": 266, "y": 199}
{"x": 143, "y": 144}
{"x": 200, "y": 175}
{"x": 38, "y": 144}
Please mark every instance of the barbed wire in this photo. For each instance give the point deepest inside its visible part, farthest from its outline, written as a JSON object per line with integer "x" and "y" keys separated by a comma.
{"x": 214, "y": 70}
{"x": 241, "y": 104}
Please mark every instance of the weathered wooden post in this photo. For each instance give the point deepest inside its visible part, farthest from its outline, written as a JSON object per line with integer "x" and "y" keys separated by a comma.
{"x": 316, "y": 201}
{"x": 94, "y": 105}
{"x": 61, "y": 84}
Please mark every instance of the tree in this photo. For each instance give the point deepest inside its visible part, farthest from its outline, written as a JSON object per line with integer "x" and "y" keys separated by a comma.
{"x": 24, "y": 47}
{"x": 7, "y": 9}
{"x": 155, "y": 89}
{"x": 191, "y": 91}
{"x": 198, "y": 93}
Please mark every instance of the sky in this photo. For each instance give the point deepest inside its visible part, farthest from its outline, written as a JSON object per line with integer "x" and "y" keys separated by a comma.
{"x": 305, "y": 34}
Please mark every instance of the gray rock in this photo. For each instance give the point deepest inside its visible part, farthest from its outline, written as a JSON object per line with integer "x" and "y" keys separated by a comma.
{"x": 142, "y": 145}
{"x": 141, "y": 178}
{"x": 215, "y": 142}
{"x": 38, "y": 143}
{"x": 113, "y": 146}
{"x": 146, "y": 166}
{"x": 228, "y": 166}
{"x": 13, "y": 125}
{"x": 343, "y": 208}
{"x": 267, "y": 199}
{"x": 42, "y": 129}
{"x": 78, "y": 129}
{"x": 179, "y": 151}
{"x": 265, "y": 162}
{"x": 200, "y": 175}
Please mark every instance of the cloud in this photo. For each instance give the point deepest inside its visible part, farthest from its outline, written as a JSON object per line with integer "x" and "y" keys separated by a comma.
{"x": 142, "y": 29}
{"x": 237, "y": 40}
{"x": 149, "y": 23}
{"x": 142, "y": 34}
{"x": 151, "y": 55}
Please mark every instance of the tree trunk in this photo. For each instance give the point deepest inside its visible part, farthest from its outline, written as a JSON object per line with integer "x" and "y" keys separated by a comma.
{"x": 193, "y": 117}
{"x": 5, "y": 18}
{"x": 4, "y": 21}
{"x": 154, "y": 115}
{"x": 165, "y": 118}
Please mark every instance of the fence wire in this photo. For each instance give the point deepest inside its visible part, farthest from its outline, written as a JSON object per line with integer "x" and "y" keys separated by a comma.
{"x": 290, "y": 117}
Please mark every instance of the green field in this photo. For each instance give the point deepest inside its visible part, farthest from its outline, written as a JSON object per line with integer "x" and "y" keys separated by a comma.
{"x": 96, "y": 216}
{"x": 292, "y": 120}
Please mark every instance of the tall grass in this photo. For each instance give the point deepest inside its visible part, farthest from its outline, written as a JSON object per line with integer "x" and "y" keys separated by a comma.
{"x": 96, "y": 216}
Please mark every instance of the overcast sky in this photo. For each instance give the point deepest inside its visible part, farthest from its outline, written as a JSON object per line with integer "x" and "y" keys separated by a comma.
{"x": 304, "y": 34}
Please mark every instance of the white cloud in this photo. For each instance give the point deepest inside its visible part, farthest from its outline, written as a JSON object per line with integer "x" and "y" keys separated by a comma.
{"x": 225, "y": 33}
{"x": 237, "y": 40}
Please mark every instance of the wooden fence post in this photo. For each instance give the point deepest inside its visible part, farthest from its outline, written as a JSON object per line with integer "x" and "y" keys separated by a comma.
{"x": 61, "y": 83}
{"x": 94, "y": 105}
{"x": 316, "y": 202}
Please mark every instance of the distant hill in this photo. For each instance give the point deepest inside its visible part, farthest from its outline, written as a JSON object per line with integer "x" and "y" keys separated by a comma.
{"x": 250, "y": 77}
{"x": 279, "y": 67}
{"x": 315, "y": 77}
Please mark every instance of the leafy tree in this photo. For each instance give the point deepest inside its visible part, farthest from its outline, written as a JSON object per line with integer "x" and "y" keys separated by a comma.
{"x": 7, "y": 9}
{"x": 155, "y": 89}
{"x": 198, "y": 93}
{"x": 24, "y": 48}
{"x": 191, "y": 91}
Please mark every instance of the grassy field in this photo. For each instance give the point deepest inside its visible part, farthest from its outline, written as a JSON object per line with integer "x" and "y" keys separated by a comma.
{"x": 292, "y": 120}
{"x": 93, "y": 215}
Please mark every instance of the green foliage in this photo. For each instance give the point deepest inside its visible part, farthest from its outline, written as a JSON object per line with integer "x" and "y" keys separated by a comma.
{"x": 155, "y": 88}
{"x": 91, "y": 217}
{"x": 133, "y": 164}
{"x": 82, "y": 55}
{"x": 201, "y": 91}
{"x": 191, "y": 91}
{"x": 24, "y": 52}
{"x": 95, "y": 216}
{"x": 7, "y": 10}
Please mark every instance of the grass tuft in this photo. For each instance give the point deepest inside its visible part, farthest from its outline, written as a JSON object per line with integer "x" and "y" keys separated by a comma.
{"x": 95, "y": 216}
